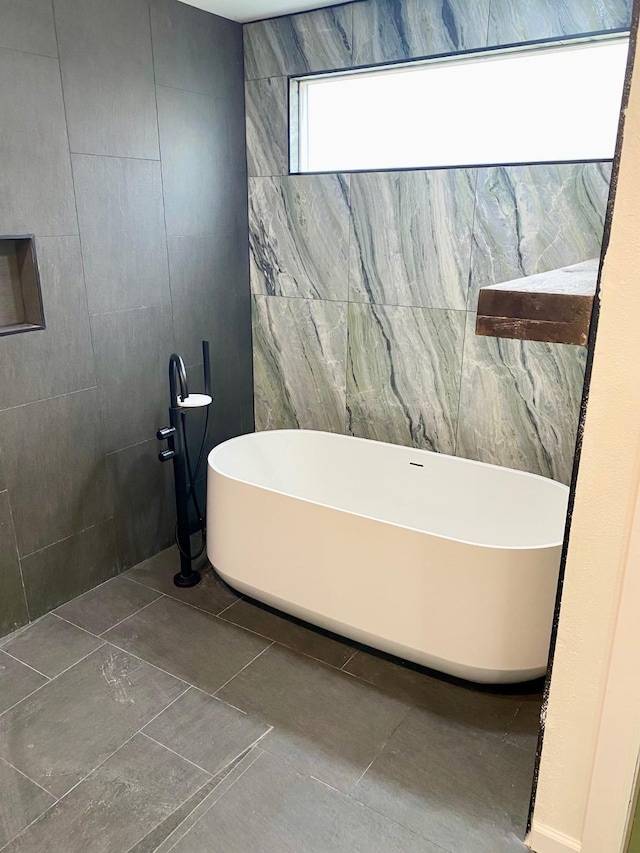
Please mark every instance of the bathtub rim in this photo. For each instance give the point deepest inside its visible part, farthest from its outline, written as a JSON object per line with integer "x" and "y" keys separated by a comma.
{"x": 527, "y": 474}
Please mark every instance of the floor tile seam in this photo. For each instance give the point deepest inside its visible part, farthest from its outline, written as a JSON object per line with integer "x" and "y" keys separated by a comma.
{"x": 79, "y": 782}
{"x": 131, "y": 615}
{"x": 51, "y": 680}
{"x": 78, "y": 627}
{"x": 177, "y": 754}
{"x": 222, "y": 686}
{"x": 75, "y": 598}
{"x": 408, "y": 709}
{"x": 215, "y": 800}
{"x": 187, "y": 684}
{"x": 24, "y": 663}
{"x": 347, "y": 662}
{"x": 26, "y": 776}
{"x": 29, "y": 825}
{"x": 177, "y": 808}
{"x": 179, "y": 600}
{"x": 417, "y": 835}
{"x": 111, "y": 754}
{"x": 278, "y": 642}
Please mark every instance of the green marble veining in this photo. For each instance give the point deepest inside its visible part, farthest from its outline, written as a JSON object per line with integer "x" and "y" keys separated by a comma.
{"x": 510, "y": 22}
{"x": 403, "y": 377}
{"x": 267, "y": 123}
{"x": 299, "y": 44}
{"x": 533, "y": 219}
{"x": 519, "y": 403}
{"x": 299, "y": 233}
{"x": 299, "y": 358}
{"x": 388, "y": 30}
{"x": 411, "y": 237}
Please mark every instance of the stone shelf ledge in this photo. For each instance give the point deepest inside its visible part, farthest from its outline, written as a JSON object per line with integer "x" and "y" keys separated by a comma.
{"x": 554, "y": 307}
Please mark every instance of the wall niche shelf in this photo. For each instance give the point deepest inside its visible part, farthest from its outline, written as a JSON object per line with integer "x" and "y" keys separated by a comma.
{"x": 553, "y": 307}
{"x": 20, "y": 295}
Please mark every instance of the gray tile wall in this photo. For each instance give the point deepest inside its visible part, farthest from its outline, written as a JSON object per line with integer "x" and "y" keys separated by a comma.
{"x": 365, "y": 285}
{"x": 123, "y": 150}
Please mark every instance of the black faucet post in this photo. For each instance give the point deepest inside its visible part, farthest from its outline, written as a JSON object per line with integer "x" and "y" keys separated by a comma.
{"x": 176, "y": 436}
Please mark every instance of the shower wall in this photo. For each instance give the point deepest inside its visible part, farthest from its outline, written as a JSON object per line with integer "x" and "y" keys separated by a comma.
{"x": 122, "y": 147}
{"x": 365, "y": 285}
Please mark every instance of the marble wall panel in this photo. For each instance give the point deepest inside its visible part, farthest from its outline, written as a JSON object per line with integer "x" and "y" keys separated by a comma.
{"x": 267, "y": 126}
{"x": 532, "y": 219}
{"x": 388, "y": 30}
{"x": 299, "y": 236}
{"x": 519, "y": 403}
{"x": 403, "y": 377}
{"x": 411, "y": 240}
{"x": 299, "y": 44}
{"x": 511, "y": 22}
{"x": 300, "y": 362}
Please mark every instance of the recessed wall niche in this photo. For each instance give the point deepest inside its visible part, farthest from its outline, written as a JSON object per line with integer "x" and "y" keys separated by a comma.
{"x": 20, "y": 296}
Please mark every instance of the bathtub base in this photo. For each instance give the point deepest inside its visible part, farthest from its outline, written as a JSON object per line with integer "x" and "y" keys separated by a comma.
{"x": 382, "y": 644}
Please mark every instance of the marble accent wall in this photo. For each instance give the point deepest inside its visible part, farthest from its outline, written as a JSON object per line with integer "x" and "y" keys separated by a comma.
{"x": 365, "y": 285}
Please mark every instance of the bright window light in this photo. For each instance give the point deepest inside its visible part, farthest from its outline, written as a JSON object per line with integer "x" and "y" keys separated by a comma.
{"x": 542, "y": 103}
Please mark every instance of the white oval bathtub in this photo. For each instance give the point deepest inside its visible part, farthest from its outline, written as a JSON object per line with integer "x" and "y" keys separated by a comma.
{"x": 448, "y": 563}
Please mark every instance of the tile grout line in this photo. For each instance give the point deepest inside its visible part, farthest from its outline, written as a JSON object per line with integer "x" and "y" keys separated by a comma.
{"x": 183, "y": 803}
{"x": 162, "y": 181}
{"x": 75, "y": 533}
{"x": 222, "y": 686}
{"x": 177, "y": 754}
{"x": 347, "y": 662}
{"x": 73, "y": 625}
{"x": 408, "y": 709}
{"x": 19, "y": 558}
{"x": 8, "y": 654}
{"x": 51, "y": 680}
{"x": 207, "y": 810}
{"x": 97, "y": 767}
{"x": 37, "y": 784}
{"x": 188, "y": 684}
{"x": 131, "y": 615}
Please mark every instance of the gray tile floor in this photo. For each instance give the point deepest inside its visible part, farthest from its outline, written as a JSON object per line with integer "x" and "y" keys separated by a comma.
{"x": 140, "y": 718}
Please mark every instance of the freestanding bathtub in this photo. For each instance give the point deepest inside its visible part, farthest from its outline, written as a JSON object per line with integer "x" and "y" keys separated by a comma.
{"x": 448, "y": 563}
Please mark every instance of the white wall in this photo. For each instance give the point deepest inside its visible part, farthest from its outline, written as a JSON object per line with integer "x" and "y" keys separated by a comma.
{"x": 607, "y": 489}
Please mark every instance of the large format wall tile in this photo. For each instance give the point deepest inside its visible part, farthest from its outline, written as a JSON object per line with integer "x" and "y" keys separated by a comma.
{"x": 267, "y": 126}
{"x": 532, "y": 219}
{"x": 123, "y": 234}
{"x": 132, "y": 353}
{"x": 387, "y": 30}
{"x": 195, "y": 50}
{"x": 63, "y": 351}
{"x": 299, "y": 232}
{"x": 143, "y": 502}
{"x": 411, "y": 241}
{"x": 36, "y": 189}
{"x": 300, "y": 352}
{"x": 28, "y": 25}
{"x": 13, "y": 608}
{"x": 69, "y": 567}
{"x": 53, "y": 456}
{"x": 195, "y": 151}
{"x": 107, "y": 74}
{"x": 519, "y": 403}
{"x": 299, "y": 44}
{"x": 511, "y": 22}
{"x": 210, "y": 296}
{"x": 403, "y": 379}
